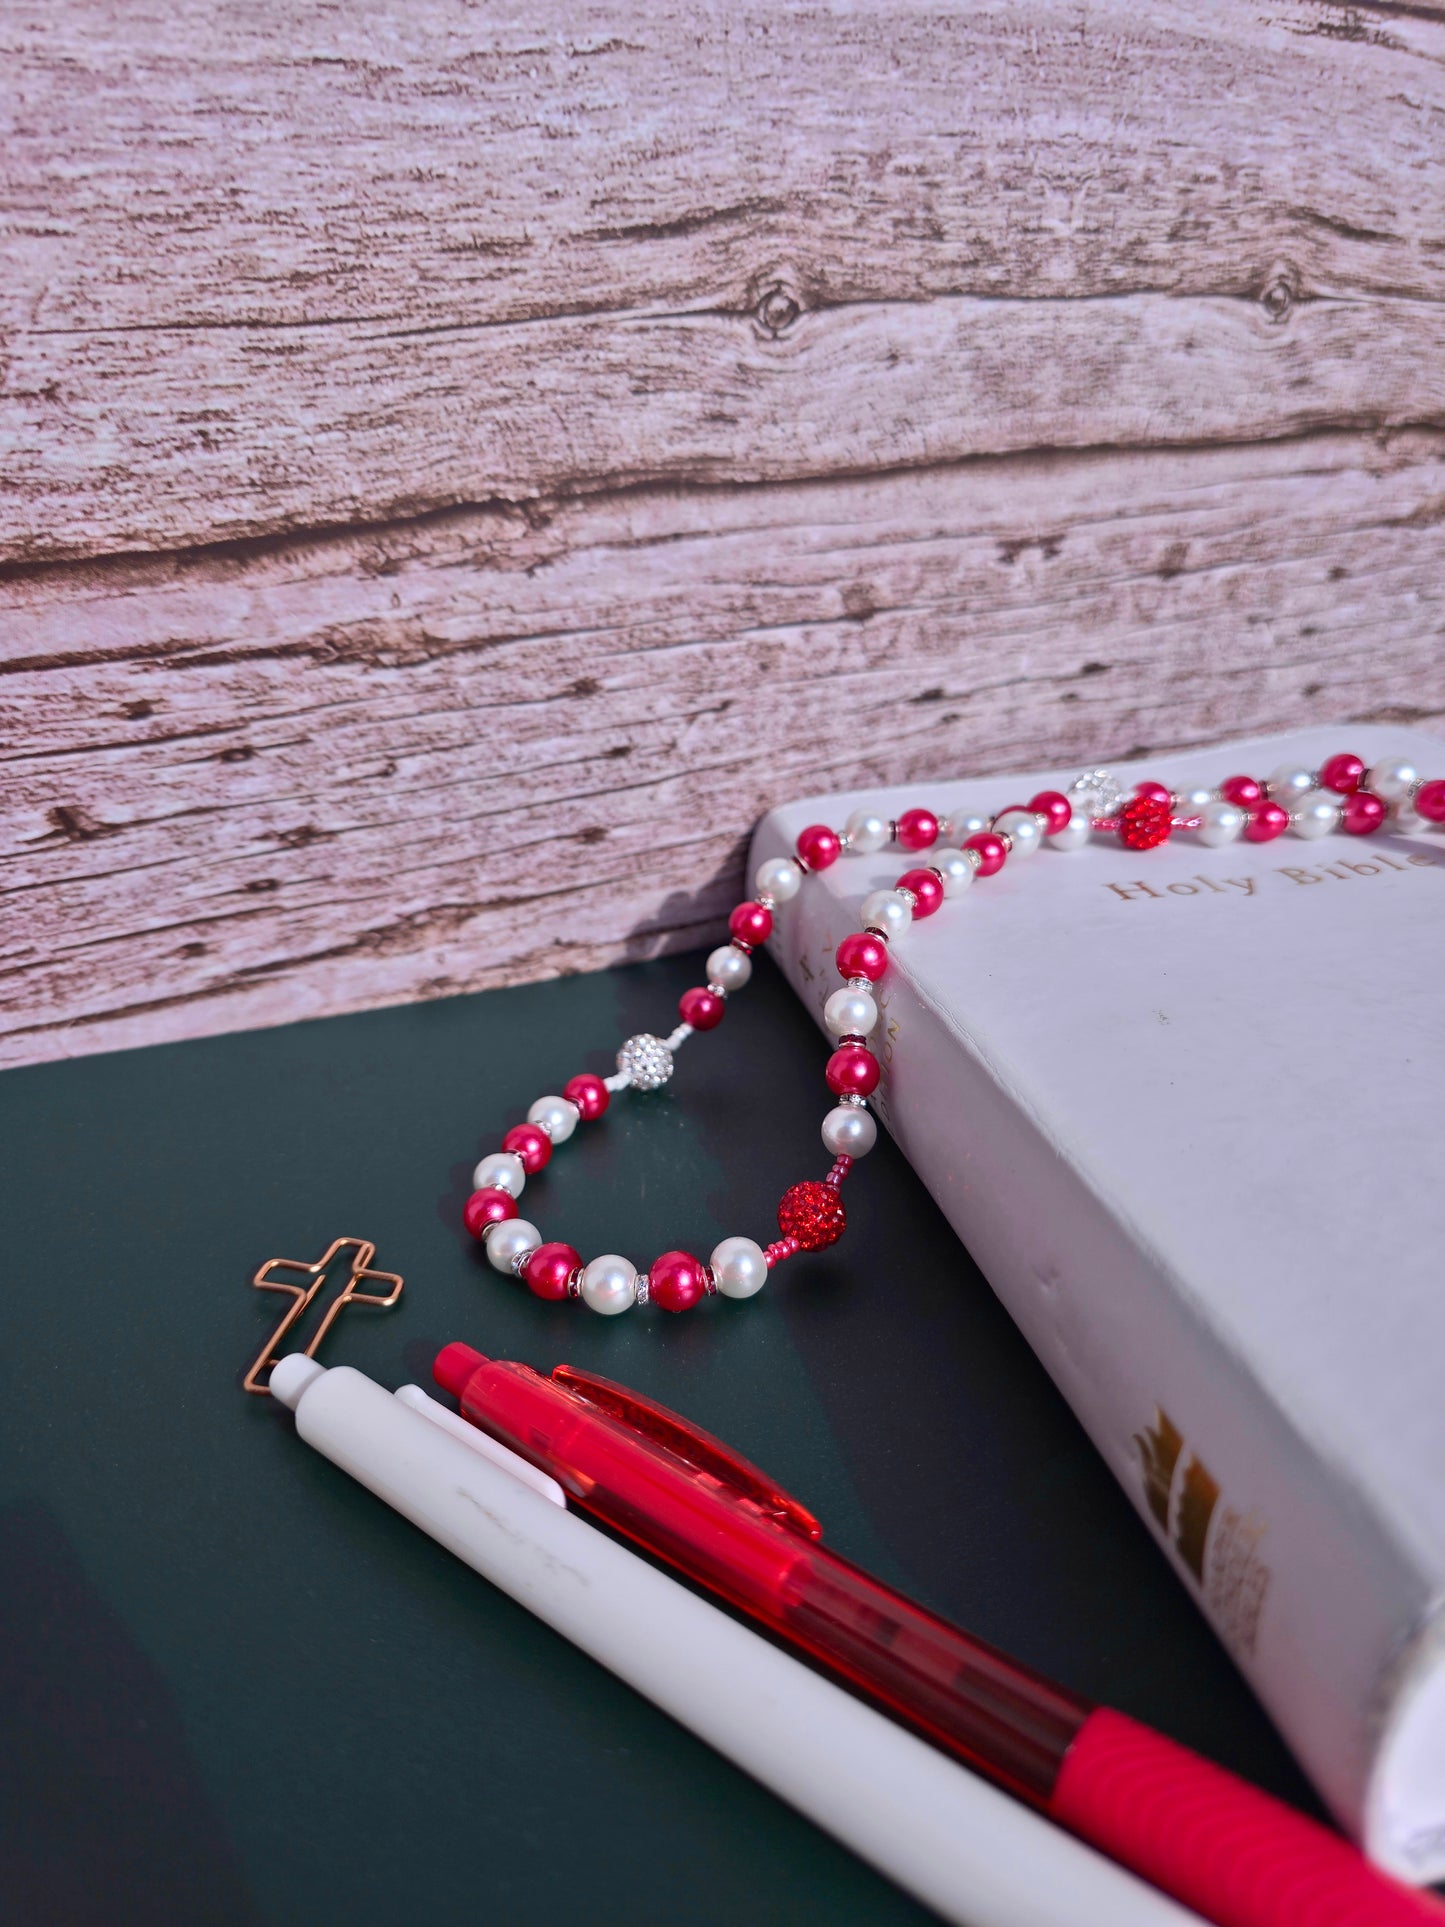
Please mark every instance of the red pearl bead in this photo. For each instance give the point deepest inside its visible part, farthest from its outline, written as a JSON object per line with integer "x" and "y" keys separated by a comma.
{"x": 1144, "y": 823}
{"x": 818, "y": 846}
{"x": 852, "y": 1068}
{"x": 812, "y": 1214}
{"x": 1153, "y": 792}
{"x": 991, "y": 849}
{"x": 862, "y": 955}
{"x": 701, "y": 1008}
{"x": 917, "y": 829}
{"x": 530, "y": 1144}
{"x": 549, "y": 1267}
{"x": 676, "y": 1281}
{"x": 1266, "y": 822}
{"x": 752, "y": 922}
{"x": 1362, "y": 812}
{"x": 1242, "y": 791}
{"x": 1430, "y": 801}
{"x": 483, "y": 1209}
{"x": 1055, "y": 807}
{"x": 588, "y": 1093}
{"x": 926, "y": 887}
{"x": 1342, "y": 773}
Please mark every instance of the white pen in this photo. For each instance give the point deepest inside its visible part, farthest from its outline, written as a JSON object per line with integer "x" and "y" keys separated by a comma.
{"x": 976, "y": 1856}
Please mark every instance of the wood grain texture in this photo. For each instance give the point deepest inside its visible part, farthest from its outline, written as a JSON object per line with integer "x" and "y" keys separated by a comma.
{"x": 489, "y": 745}
{"x": 283, "y": 265}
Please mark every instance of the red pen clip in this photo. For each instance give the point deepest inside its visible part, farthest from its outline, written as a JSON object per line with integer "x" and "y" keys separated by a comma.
{"x": 700, "y": 1452}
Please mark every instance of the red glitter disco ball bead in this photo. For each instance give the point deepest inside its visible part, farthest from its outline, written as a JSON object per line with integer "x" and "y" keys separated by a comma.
{"x": 1144, "y": 823}
{"x": 813, "y": 1214}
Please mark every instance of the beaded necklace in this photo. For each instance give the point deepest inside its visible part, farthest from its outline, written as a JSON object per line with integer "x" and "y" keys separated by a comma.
{"x": 1342, "y": 795}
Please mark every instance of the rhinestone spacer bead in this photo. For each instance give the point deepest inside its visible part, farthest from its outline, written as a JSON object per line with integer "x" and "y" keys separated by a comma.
{"x": 646, "y": 1061}
{"x": 643, "y": 1286}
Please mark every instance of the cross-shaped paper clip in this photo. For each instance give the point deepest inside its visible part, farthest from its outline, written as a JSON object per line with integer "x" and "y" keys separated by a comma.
{"x": 302, "y": 1296}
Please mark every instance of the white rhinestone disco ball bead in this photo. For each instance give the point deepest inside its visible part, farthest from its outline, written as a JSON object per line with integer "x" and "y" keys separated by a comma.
{"x": 647, "y": 1062}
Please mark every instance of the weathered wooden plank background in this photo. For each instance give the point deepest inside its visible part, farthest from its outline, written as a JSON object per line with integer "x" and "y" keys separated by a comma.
{"x": 460, "y": 465}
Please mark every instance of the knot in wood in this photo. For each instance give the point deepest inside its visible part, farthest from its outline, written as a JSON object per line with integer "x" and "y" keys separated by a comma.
{"x": 777, "y": 310}
{"x": 1277, "y": 298}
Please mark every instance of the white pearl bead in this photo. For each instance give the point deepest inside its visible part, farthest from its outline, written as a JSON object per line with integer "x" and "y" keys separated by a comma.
{"x": 1221, "y": 823}
{"x": 609, "y": 1284}
{"x": 500, "y": 1171}
{"x": 557, "y": 1116}
{"x": 959, "y": 828}
{"x": 1404, "y": 819}
{"x": 1021, "y": 827}
{"x": 955, "y": 869}
{"x": 1289, "y": 783}
{"x": 849, "y": 1132}
{"x": 512, "y": 1239}
{"x": 867, "y": 832}
{"x": 779, "y": 879}
{"x": 1392, "y": 779}
{"x": 850, "y": 1013}
{"x": 1316, "y": 813}
{"x": 1195, "y": 800}
{"x": 888, "y": 911}
{"x": 740, "y": 1267}
{"x": 1073, "y": 836}
{"x": 729, "y": 968}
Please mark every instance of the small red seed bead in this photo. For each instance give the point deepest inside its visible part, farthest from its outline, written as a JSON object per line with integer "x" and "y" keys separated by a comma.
{"x": 1430, "y": 800}
{"x": 588, "y": 1093}
{"x": 1362, "y": 812}
{"x": 530, "y": 1144}
{"x": 813, "y": 1214}
{"x": 1242, "y": 791}
{"x": 852, "y": 1068}
{"x": 926, "y": 888}
{"x": 701, "y": 1008}
{"x": 549, "y": 1267}
{"x": 752, "y": 922}
{"x": 1055, "y": 807}
{"x": 1266, "y": 822}
{"x": 862, "y": 955}
{"x": 991, "y": 850}
{"x": 917, "y": 829}
{"x": 1153, "y": 792}
{"x": 483, "y": 1209}
{"x": 1343, "y": 773}
{"x": 676, "y": 1281}
{"x": 818, "y": 846}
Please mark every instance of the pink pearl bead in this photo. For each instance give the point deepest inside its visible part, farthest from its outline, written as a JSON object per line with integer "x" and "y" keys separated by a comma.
{"x": 1363, "y": 812}
{"x": 926, "y": 887}
{"x": 531, "y": 1145}
{"x": 1055, "y": 807}
{"x": 751, "y": 923}
{"x": 852, "y": 1069}
{"x": 917, "y": 829}
{"x": 1266, "y": 822}
{"x": 547, "y": 1270}
{"x": 1242, "y": 791}
{"x": 1342, "y": 773}
{"x": 676, "y": 1281}
{"x": 1154, "y": 792}
{"x": 991, "y": 850}
{"x": 818, "y": 846}
{"x": 483, "y": 1209}
{"x": 588, "y": 1093}
{"x": 1430, "y": 801}
{"x": 862, "y": 956}
{"x": 701, "y": 1008}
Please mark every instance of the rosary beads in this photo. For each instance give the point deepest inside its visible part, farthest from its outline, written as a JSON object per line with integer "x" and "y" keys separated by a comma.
{"x": 1342, "y": 795}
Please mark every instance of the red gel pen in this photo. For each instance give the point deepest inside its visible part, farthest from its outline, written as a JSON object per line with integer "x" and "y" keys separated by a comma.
{"x": 1215, "y": 1843}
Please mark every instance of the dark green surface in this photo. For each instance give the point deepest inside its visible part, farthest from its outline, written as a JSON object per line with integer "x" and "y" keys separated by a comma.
{"x": 233, "y": 1686}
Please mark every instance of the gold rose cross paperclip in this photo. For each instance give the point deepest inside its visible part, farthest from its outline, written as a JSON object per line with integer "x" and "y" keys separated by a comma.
{"x": 303, "y": 1294}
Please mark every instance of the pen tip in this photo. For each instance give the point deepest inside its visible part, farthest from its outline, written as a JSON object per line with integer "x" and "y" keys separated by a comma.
{"x": 454, "y": 1365}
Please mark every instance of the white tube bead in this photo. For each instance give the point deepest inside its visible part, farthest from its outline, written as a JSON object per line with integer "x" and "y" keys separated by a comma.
{"x": 729, "y": 967}
{"x": 609, "y": 1284}
{"x": 557, "y": 1116}
{"x": 850, "y": 1013}
{"x": 1221, "y": 823}
{"x": 510, "y": 1240}
{"x": 867, "y": 832}
{"x": 888, "y": 911}
{"x": 849, "y": 1132}
{"x": 1022, "y": 829}
{"x": 740, "y": 1267}
{"x": 778, "y": 878}
{"x": 500, "y": 1171}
